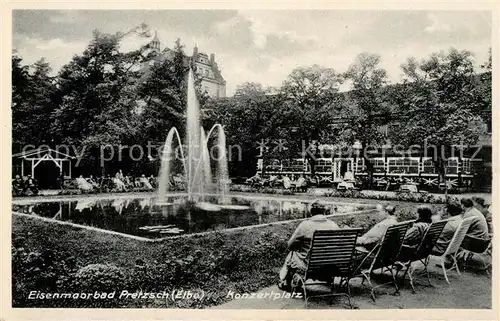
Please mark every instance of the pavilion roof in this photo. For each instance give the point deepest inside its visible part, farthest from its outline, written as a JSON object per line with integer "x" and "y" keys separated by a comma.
{"x": 43, "y": 152}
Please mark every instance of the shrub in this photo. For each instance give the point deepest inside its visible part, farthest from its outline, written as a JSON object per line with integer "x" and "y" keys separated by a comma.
{"x": 44, "y": 271}
{"x": 98, "y": 277}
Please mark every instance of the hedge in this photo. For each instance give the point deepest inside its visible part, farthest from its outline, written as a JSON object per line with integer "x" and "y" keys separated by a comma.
{"x": 355, "y": 194}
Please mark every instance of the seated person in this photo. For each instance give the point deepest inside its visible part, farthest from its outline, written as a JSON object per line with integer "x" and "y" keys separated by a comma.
{"x": 83, "y": 184}
{"x": 272, "y": 180}
{"x": 152, "y": 181}
{"x": 301, "y": 183}
{"x": 454, "y": 210}
{"x": 92, "y": 182}
{"x": 300, "y": 242}
{"x": 483, "y": 207}
{"x": 128, "y": 182}
{"x": 478, "y": 227}
{"x": 145, "y": 182}
{"x": 478, "y": 230}
{"x": 18, "y": 185}
{"x": 118, "y": 184}
{"x": 415, "y": 234}
{"x": 31, "y": 185}
{"x": 287, "y": 183}
{"x": 375, "y": 234}
{"x": 256, "y": 179}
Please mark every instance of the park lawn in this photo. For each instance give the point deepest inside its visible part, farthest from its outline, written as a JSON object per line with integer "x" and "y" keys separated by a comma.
{"x": 56, "y": 258}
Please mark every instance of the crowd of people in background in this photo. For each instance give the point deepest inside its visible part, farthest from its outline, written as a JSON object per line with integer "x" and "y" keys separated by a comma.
{"x": 26, "y": 185}
{"x": 120, "y": 182}
{"x": 292, "y": 182}
{"x": 117, "y": 183}
{"x": 456, "y": 211}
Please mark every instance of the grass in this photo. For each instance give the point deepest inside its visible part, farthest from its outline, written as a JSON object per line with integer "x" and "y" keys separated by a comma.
{"x": 240, "y": 260}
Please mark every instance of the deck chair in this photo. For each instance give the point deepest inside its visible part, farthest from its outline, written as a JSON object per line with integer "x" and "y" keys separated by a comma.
{"x": 481, "y": 247}
{"x": 422, "y": 251}
{"x": 383, "y": 255}
{"x": 329, "y": 257}
{"x": 454, "y": 246}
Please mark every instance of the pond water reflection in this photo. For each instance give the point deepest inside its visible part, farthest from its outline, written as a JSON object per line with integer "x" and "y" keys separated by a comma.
{"x": 143, "y": 217}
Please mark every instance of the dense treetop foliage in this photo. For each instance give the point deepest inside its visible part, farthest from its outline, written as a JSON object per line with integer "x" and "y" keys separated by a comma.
{"x": 107, "y": 97}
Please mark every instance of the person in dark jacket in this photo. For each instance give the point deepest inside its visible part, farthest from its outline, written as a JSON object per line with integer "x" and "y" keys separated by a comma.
{"x": 415, "y": 234}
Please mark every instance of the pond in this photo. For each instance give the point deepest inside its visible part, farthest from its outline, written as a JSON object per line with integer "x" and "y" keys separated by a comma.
{"x": 143, "y": 217}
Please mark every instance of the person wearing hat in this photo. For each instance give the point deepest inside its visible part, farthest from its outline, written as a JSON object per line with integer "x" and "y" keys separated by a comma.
{"x": 300, "y": 243}
{"x": 375, "y": 234}
{"x": 484, "y": 208}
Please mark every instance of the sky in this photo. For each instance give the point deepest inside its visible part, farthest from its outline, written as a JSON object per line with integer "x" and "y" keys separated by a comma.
{"x": 262, "y": 46}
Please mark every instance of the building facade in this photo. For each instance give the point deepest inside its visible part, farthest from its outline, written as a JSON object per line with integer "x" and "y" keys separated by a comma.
{"x": 206, "y": 67}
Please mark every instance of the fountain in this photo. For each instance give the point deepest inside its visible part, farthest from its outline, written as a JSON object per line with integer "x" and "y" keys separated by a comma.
{"x": 195, "y": 162}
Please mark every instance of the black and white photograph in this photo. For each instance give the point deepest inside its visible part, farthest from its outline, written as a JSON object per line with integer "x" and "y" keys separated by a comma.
{"x": 244, "y": 159}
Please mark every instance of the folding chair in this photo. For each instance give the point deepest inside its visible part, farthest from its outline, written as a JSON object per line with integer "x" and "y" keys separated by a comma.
{"x": 481, "y": 247}
{"x": 423, "y": 251}
{"x": 454, "y": 246}
{"x": 383, "y": 255}
{"x": 329, "y": 257}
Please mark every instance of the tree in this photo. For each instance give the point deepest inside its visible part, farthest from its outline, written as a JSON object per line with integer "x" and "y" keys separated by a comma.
{"x": 20, "y": 106}
{"x": 442, "y": 105}
{"x": 309, "y": 99}
{"x": 251, "y": 118}
{"x": 96, "y": 97}
{"x": 164, "y": 92}
{"x": 32, "y": 103}
{"x": 366, "y": 107}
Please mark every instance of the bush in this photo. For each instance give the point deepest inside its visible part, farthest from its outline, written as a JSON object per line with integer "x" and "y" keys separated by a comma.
{"x": 241, "y": 260}
{"x": 98, "y": 277}
{"x": 263, "y": 190}
{"x": 45, "y": 271}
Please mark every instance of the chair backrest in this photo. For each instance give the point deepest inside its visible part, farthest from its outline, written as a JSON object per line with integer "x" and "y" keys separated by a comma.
{"x": 390, "y": 245}
{"x": 459, "y": 236}
{"x": 331, "y": 251}
{"x": 429, "y": 240}
{"x": 475, "y": 245}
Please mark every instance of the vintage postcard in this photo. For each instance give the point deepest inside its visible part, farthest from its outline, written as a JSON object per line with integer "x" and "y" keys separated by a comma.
{"x": 249, "y": 160}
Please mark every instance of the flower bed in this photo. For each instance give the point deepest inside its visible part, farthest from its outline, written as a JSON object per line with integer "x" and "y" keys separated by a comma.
{"x": 398, "y": 196}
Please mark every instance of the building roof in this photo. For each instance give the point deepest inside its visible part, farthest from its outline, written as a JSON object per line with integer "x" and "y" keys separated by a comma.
{"x": 43, "y": 153}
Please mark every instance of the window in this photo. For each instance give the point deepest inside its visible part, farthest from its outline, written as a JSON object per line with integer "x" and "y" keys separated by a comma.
{"x": 452, "y": 165}
{"x": 360, "y": 165}
{"x": 323, "y": 165}
{"x": 403, "y": 166}
{"x": 378, "y": 165}
{"x": 274, "y": 165}
{"x": 294, "y": 165}
{"x": 466, "y": 166}
{"x": 206, "y": 72}
{"x": 428, "y": 166}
